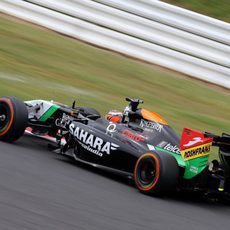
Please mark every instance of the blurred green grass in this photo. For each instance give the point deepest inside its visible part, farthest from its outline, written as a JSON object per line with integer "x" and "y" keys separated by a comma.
{"x": 219, "y": 9}
{"x": 38, "y": 63}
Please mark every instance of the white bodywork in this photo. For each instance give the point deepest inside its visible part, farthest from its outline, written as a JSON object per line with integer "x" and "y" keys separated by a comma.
{"x": 44, "y": 107}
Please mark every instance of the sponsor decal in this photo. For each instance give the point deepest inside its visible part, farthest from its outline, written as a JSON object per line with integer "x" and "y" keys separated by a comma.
{"x": 188, "y": 132}
{"x": 63, "y": 122}
{"x": 91, "y": 142}
{"x": 111, "y": 128}
{"x": 195, "y": 152}
{"x": 193, "y": 169}
{"x": 169, "y": 147}
{"x": 194, "y": 141}
{"x": 151, "y": 125}
{"x": 133, "y": 136}
{"x": 172, "y": 148}
{"x": 151, "y": 147}
{"x": 191, "y": 138}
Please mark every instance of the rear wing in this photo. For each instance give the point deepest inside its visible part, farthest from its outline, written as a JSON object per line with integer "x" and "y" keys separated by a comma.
{"x": 220, "y": 141}
{"x": 195, "y": 148}
{"x": 194, "y": 144}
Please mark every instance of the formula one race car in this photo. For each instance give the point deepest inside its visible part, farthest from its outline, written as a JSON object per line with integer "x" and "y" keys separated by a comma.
{"x": 141, "y": 146}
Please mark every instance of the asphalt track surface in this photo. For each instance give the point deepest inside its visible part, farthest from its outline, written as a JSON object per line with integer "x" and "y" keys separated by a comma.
{"x": 39, "y": 190}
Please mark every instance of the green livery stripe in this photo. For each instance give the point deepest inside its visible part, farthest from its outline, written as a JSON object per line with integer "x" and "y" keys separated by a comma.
{"x": 195, "y": 166}
{"x": 49, "y": 113}
{"x": 179, "y": 158}
{"x": 192, "y": 167}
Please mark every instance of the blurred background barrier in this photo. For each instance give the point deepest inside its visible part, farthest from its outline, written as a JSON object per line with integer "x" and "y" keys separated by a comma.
{"x": 153, "y": 31}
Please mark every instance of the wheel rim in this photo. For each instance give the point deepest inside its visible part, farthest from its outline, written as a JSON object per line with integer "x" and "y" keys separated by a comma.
{"x": 4, "y": 117}
{"x": 147, "y": 172}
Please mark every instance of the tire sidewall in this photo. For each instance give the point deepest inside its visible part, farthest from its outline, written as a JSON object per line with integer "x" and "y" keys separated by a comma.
{"x": 18, "y": 119}
{"x": 137, "y": 172}
{"x": 167, "y": 171}
{"x": 10, "y": 108}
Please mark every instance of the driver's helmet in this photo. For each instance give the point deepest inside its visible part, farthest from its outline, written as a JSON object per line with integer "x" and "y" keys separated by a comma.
{"x": 114, "y": 116}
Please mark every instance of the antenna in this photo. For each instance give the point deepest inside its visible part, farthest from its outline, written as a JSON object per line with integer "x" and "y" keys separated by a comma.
{"x": 73, "y": 106}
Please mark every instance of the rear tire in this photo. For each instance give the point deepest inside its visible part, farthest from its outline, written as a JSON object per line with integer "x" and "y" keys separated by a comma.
{"x": 13, "y": 118}
{"x": 156, "y": 173}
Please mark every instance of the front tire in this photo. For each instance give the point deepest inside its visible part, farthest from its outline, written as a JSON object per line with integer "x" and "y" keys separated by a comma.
{"x": 13, "y": 118}
{"x": 156, "y": 173}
